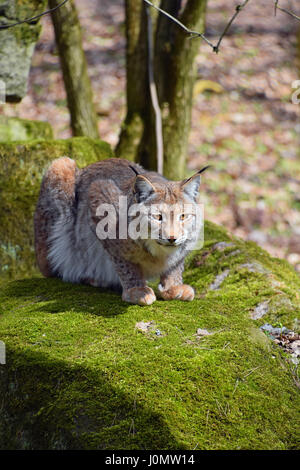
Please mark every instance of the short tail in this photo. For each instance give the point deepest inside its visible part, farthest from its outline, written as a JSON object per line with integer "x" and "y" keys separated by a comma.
{"x": 57, "y": 197}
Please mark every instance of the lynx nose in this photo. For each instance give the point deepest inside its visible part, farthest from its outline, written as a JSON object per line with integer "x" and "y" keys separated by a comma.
{"x": 172, "y": 240}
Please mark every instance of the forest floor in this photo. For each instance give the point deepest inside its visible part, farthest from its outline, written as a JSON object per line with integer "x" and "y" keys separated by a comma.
{"x": 247, "y": 128}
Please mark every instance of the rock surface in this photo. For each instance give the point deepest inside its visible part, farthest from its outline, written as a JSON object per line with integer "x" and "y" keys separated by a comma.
{"x": 81, "y": 373}
{"x": 17, "y": 45}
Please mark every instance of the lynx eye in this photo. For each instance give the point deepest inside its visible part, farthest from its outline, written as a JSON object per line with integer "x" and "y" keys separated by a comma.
{"x": 157, "y": 217}
{"x": 184, "y": 217}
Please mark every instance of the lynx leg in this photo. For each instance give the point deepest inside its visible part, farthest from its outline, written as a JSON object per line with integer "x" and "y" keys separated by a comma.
{"x": 172, "y": 288}
{"x": 57, "y": 193}
{"x": 135, "y": 289}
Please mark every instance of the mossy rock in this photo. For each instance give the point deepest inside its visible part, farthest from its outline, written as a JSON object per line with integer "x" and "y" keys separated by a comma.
{"x": 80, "y": 374}
{"x": 15, "y": 129}
{"x": 21, "y": 168}
{"x": 17, "y": 46}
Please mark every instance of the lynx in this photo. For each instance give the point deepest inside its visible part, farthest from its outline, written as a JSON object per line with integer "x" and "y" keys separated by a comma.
{"x": 67, "y": 221}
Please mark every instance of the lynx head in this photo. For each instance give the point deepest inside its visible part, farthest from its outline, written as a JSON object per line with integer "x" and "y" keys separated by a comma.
{"x": 169, "y": 211}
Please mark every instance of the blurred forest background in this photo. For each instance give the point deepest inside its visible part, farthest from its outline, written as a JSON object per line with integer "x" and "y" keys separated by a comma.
{"x": 243, "y": 122}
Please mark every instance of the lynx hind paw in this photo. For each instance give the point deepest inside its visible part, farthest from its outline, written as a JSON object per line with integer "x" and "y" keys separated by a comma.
{"x": 181, "y": 292}
{"x": 139, "y": 295}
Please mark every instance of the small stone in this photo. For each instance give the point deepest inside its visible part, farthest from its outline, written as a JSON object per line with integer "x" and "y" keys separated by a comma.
{"x": 274, "y": 331}
{"x": 222, "y": 245}
{"x": 294, "y": 359}
{"x": 254, "y": 267}
{"x": 201, "y": 332}
{"x": 233, "y": 253}
{"x": 260, "y": 310}
{"x": 144, "y": 326}
{"x": 295, "y": 345}
{"x": 219, "y": 279}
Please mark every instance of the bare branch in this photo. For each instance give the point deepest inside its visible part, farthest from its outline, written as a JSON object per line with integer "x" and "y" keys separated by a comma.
{"x": 238, "y": 9}
{"x": 29, "y": 20}
{"x": 195, "y": 34}
{"x": 286, "y": 11}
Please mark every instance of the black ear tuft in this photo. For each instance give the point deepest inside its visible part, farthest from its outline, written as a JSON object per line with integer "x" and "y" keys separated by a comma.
{"x": 133, "y": 169}
{"x": 191, "y": 185}
{"x": 203, "y": 169}
{"x": 142, "y": 188}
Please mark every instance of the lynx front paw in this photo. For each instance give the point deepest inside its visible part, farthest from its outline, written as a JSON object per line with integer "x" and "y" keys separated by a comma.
{"x": 181, "y": 292}
{"x": 139, "y": 295}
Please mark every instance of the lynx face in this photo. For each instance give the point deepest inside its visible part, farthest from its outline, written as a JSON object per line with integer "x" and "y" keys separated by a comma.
{"x": 169, "y": 214}
{"x": 171, "y": 224}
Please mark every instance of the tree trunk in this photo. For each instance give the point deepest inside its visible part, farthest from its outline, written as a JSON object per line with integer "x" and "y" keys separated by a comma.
{"x": 137, "y": 90}
{"x": 77, "y": 83}
{"x": 174, "y": 71}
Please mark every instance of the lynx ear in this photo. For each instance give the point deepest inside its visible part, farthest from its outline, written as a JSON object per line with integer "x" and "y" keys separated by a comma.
{"x": 191, "y": 185}
{"x": 142, "y": 188}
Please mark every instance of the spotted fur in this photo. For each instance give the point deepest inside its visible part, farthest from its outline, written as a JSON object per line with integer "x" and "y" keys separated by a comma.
{"x": 66, "y": 219}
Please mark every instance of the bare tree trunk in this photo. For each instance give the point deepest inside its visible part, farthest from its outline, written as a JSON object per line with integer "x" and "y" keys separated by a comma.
{"x": 175, "y": 75}
{"x": 137, "y": 91}
{"x": 77, "y": 83}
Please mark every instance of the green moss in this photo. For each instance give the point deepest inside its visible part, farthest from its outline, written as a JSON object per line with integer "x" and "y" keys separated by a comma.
{"x": 79, "y": 375}
{"x": 27, "y": 35}
{"x": 21, "y": 168}
{"x": 14, "y": 129}
{"x": 131, "y": 132}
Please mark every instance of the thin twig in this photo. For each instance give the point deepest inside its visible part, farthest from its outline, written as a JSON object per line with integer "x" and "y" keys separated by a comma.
{"x": 238, "y": 9}
{"x": 287, "y": 12}
{"x": 154, "y": 97}
{"x": 236, "y": 386}
{"x": 251, "y": 371}
{"x": 29, "y": 20}
{"x": 193, "y": 34}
